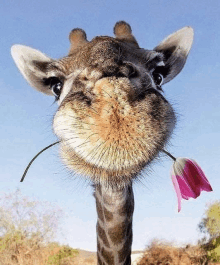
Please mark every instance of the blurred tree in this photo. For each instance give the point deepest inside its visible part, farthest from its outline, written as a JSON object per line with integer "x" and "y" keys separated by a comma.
{"x": 210, "y": 224}
{"x": 27, "y": 229}
{"x": 28, "y": 218}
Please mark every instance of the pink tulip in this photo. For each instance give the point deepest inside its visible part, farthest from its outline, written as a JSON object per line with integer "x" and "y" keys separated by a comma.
{"x": 188, "y": 179}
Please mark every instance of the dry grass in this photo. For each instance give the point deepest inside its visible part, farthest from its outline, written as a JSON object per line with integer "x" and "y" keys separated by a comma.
{"x": 165, "y": 254}
{"x": 19, "y": 250}
{"x": 23, "y": 251}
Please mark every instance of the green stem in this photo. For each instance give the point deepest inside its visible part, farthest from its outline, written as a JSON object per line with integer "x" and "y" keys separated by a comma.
{"x": 167, "y": 153}
{"x": 32, "y": 160}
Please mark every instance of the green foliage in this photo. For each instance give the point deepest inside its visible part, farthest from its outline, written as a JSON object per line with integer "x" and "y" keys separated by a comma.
{"x": 210, "y": 224}
{"x": 213, "y": 219}
{"x": 214, "y": 255}
{"x": 213, "y": 249}
{"x": 63, "y": 253}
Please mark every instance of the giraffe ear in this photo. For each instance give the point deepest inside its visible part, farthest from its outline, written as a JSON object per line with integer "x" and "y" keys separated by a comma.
{"x": 33, "y": 65}
{"x": 175, "y": 49}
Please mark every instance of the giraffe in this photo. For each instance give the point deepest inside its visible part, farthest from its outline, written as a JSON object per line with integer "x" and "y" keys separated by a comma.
{"x": 112, "y": 118}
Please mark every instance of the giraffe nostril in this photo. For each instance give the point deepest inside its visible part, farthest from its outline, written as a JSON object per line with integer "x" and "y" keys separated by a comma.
{"x": 128, "y": 70}
{"x": 121, "y": 74}
{"x": 84, "y": 78}
{"x": 133, "y": 73}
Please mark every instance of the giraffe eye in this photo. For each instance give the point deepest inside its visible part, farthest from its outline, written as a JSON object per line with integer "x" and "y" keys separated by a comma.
{"x": 56, "y": 86}
{"x": 158, "y": 78}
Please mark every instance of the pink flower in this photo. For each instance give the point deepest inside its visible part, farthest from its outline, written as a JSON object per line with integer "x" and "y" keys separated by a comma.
{"x": 188, "y": 179}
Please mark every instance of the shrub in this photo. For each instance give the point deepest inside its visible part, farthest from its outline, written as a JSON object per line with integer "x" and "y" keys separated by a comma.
{"x": 60, "y": 258}
{"x": 165, "y": 254}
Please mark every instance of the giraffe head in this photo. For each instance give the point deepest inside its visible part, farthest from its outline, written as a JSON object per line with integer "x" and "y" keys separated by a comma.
{"x": 112, "y": 118}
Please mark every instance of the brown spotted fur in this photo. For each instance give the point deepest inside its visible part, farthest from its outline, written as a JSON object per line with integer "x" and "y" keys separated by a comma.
{"x": 114, "y": 231}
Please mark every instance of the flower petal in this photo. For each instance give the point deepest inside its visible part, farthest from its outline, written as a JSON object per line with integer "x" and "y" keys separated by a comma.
{"x": 204, "y": 183}
{"x": 188, "y": 179}
{"x": 178, "y": 192}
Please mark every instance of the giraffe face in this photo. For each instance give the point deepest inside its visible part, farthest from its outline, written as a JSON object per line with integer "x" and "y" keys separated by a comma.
{"x": 112, "y": 118}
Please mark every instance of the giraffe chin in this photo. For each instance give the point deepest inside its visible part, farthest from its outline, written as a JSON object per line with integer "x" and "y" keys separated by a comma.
{"x": 116, "y": 178}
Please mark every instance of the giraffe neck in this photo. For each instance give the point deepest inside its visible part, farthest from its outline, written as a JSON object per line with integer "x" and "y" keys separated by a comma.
{"x": 114, "y": 226}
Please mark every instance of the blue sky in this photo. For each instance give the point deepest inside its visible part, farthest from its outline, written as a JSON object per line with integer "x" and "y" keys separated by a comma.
{"x": 26, "y": 115}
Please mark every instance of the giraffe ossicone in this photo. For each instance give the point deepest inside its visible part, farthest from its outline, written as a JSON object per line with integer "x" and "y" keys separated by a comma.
{"x": 112, "y": 119}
